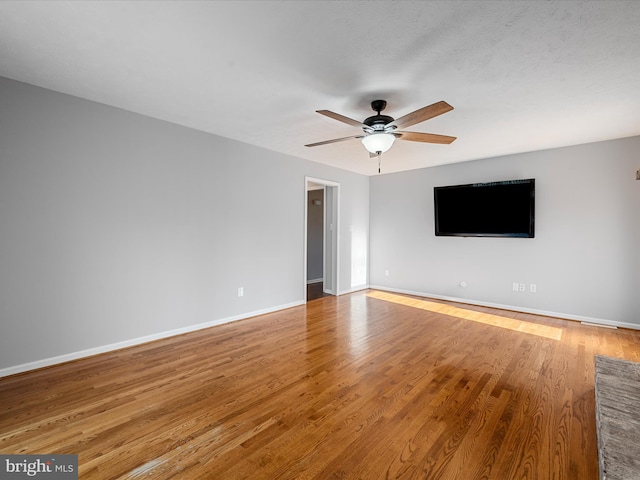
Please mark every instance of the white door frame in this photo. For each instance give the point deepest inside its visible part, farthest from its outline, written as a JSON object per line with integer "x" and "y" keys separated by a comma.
{"x": 331, "y": 221}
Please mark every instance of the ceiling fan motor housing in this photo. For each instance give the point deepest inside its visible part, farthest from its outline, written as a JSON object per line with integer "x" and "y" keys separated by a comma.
{"x": 377, "y": 122}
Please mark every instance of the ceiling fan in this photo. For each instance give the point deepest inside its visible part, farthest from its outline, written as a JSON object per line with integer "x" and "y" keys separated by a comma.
{"x": 380, "y": 131}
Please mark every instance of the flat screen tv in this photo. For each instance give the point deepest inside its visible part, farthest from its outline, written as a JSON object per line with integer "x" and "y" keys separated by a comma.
{"x": 496, "y": 209}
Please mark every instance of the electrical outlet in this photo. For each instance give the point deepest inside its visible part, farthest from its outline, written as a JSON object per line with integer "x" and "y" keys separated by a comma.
{"x": 533, "y": 288}
{"x": 241, "y": 291}
{"x": 523, "y": 287}
{"x": 386, "y": 273}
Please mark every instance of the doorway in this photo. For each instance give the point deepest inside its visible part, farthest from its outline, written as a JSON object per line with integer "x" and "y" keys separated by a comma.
{"x": 322, "y": 199}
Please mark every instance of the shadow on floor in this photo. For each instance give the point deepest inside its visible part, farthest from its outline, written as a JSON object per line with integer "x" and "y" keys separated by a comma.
{"x": 315, "y": 291}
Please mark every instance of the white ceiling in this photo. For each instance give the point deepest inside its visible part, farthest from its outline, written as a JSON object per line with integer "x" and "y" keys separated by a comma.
{"x": 522, "y": 75}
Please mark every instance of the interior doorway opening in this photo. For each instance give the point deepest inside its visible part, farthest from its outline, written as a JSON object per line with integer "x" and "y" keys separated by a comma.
{"x": 321, "y": 238}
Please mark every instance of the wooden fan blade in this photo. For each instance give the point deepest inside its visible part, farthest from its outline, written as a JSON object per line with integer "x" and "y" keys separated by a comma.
{"x": 425, "y": 113}
{"x": 340, "y": 118}
{"x": 424, "y": 137}
{"x": 334, "y": 140}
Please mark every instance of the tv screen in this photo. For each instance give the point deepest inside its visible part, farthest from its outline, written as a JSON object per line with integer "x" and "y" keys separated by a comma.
{"x": 496, "y": 209}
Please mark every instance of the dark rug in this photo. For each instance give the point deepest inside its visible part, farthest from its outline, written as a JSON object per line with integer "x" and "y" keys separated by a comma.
{"x": 617, "y": 386}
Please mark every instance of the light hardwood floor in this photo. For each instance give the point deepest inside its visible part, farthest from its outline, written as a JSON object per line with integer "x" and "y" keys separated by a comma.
{"x": 370, "y": 385}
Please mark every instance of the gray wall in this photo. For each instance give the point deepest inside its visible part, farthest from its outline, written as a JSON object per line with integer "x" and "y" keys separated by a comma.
{"x": 115, "y": 226}
{"x": 584, "y": 258}
{"x": 315, "y": 230}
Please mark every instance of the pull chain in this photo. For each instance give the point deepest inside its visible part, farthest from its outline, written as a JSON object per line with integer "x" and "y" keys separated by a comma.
{"x": 379, "y": 156}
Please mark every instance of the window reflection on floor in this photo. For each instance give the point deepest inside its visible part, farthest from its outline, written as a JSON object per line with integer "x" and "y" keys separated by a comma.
{"x": 472, "y": 315}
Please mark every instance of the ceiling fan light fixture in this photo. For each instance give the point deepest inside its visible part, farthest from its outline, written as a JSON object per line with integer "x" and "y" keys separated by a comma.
{"x": 378, "y": 142}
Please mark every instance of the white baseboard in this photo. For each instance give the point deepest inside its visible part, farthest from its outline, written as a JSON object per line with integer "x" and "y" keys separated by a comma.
{"x": 353, "y": 289}
{"x": 315, "y": 280}
{"x": 546, "y": 313}
{"x": 599, "y": 325}
{"x": 47, "y": 362}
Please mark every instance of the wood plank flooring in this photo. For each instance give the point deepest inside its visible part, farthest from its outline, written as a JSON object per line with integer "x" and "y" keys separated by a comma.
{"x": 370, "y": 385}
